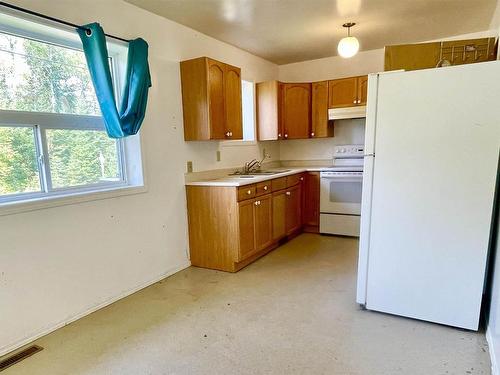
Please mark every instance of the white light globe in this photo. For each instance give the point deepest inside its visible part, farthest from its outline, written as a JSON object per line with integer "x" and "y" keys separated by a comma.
{"x": 348, "y": 47}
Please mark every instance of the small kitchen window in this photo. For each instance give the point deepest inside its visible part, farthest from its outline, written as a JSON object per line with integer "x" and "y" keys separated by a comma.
{"x": 248, "y": 110}
{"x": 248, "y": 115}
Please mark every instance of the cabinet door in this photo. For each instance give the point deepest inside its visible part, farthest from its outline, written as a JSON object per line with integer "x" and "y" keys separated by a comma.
{"x": 281, "y": 107}
{"x": 216, "y": 99}
{"x": 246, "y": 228}
{"x": 311, "y": 199}
{"x": 362, "y": 90}
{"x": 319, "y": 111}
{"x": 279, "y": 215}
{"x": 263, "y": 222}
{"x": 293, "y": 209}
{"x": 267, "y": 110}
{"x": 297, "y": 110}
{"x": 232, "y": 102}
{"x": 342, "y": 92}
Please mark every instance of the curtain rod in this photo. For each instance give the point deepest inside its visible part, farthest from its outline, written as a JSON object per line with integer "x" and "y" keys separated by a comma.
{"x": 7, "y": 5}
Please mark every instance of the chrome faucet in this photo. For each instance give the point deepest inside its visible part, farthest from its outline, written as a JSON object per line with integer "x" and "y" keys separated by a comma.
{"x": 251, "y": 166}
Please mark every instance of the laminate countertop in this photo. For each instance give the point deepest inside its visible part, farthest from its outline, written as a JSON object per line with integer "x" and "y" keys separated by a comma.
{"x": 242, "y": 180}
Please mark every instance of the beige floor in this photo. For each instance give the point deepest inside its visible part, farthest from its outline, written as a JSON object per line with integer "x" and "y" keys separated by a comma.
{"x": 292, "y": 312}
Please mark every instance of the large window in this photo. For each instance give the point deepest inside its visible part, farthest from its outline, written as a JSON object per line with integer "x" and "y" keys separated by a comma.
{"x": 52, "y": 137}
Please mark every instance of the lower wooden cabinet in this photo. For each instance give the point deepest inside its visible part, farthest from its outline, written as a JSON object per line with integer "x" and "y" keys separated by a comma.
{"x": 255, "y": 225}
{"x": 310, "y": 211}
{"x": 246, "y": 228}
{"x": 279, "y": 212}
{"x": 230, "y": 227}
{"x": 263, "y": 217}
{"x": 293, "y": 209}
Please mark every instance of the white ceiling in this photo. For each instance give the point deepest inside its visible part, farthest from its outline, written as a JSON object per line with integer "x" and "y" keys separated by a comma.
{"x": 286, "y": 31}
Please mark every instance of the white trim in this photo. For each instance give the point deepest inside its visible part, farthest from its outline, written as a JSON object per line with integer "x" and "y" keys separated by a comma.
{"x": 238, "y": 142}
{"x": 491, "y": 348}
{"x": 51, "y": 120}
{"x": 63, "y": 199}
{"x": 70, "y": 319}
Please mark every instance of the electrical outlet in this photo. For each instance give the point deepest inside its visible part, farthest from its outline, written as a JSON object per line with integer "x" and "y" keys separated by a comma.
{"x": 217, "y": 155}
{"x": 189, "y": 166}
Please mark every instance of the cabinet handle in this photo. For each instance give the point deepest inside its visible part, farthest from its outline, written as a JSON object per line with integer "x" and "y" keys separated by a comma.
{"x": 302, "y": 179}
{"x": 249, "y": 192}
{"x": 286, "y": 135}
{"x": 288, "y": 193}
{"x": 312, "y": 134}
{"x": 256, "y": 203}
{"x": 228, "y": 134}
{"x": 279, "y": 135}
{"x": 265, "y": 188}
{"x": 355, "y": 101}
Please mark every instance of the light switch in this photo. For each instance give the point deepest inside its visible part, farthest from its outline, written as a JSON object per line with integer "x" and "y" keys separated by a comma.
{"x": 189, "y": 166}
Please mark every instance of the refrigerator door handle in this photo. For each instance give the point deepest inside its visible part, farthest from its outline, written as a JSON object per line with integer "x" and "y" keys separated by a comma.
{"x": 367, "y": 155}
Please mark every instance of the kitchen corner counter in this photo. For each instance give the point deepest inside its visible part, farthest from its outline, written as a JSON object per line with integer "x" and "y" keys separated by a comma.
{"x": 240, "y": 180}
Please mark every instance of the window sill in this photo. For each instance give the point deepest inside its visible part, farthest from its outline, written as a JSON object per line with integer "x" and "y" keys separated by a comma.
{"x": 9, "y": 208}
{"x": 238, "y": 142}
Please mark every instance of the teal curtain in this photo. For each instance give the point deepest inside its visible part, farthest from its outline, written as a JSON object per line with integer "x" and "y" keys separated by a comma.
{"x": 127, "y": 121}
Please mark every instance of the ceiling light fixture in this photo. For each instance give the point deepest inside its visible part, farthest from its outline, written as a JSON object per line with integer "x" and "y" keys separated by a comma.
{"x": 348, "y": 46}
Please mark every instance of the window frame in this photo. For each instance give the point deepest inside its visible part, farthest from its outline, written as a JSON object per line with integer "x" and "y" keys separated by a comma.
{"x": 244, "y": 142}
{"x": 50, "y": 33}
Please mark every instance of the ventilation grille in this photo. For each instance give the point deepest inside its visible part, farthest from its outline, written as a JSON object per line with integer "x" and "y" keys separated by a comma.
{"x": 18, "y": 357}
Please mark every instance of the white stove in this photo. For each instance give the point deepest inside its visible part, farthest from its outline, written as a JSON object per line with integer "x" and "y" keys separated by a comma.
{"x": 340, "y": 196}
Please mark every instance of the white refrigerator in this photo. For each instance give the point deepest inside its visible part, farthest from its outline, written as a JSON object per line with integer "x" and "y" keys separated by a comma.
{"x": 432, "y": 147}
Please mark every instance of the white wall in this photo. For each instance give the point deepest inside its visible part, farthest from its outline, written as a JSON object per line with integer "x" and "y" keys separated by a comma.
{"x": 59, "y": 263}
{"x": 333, "y": 67}
{"x": 346, "y": 132}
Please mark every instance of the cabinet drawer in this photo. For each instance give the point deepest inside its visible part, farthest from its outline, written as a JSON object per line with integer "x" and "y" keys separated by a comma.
{"x": 263, "y": 188}
{"x": 246, "y": 192}
{"x": 294, "y": 179}
{"x": 278, "y": 184}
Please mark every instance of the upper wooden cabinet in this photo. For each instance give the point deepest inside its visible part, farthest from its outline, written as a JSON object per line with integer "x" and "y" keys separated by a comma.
{"x": 430, "y": 55}
{"x": 362, "y": 90}
{"x": 296, "y": 110}
{"x": 268, "y": 110}
{"x": 300, "y": 110}
{"x": 211, "y": 100}
{"x": 233, "y": 103}
{"x": 347, "y": 92}
{"x": 319, "y": 111}
{"x": 283, "y": 110}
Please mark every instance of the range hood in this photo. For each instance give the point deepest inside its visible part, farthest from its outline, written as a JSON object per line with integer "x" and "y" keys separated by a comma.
{"x": 346, "y": 113}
